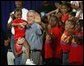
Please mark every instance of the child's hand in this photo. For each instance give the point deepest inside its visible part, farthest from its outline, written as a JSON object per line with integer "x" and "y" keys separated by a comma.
{"x": 24, "y": 23}
{"x": 12, "y": 16}
{"x": 67, "y": 40}
{"x": 73, "y": 40}
{"x": 21, "y": 25}
{"x": 48, "y": 38}
{"x": 63, "y": 37}
{"x": 20, "y": 40}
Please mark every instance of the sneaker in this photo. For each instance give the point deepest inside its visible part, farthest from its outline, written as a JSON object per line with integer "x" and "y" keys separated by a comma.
{"x": 29, "y": 62}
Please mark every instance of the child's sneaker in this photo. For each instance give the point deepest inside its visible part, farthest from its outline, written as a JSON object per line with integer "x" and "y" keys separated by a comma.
{"x": 29, "y": 62}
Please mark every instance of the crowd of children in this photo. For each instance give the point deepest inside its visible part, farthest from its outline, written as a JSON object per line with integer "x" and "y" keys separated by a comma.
{"x": 55, "y": 38}
{"x": 66, "y": 38}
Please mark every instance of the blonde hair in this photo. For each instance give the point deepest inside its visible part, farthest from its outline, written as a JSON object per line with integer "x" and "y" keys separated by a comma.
{"x": 36, "y": 15}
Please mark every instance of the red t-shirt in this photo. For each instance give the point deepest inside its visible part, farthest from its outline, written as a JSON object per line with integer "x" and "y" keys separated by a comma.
{"x": 53, "y": 47}
{"x": 76, "y": 51}
{"x": 19, "y": 32}
{"x": 76, "y": 54}
{"x": 65, "y": 46}
{"x": 64, "y": 17}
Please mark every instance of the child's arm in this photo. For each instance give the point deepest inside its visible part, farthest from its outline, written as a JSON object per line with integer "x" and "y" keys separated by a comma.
{"x": 19, "y": 24}
{"x": 51, "y": 12}
{"x": 25, "y": 23}
{"x": 16, "y": 24}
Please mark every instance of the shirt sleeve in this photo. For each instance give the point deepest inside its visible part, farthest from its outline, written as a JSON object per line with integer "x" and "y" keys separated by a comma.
{"x": 24, "y": 14}
{"x": 38, "y": 30}
{"x": 10, "y": 19}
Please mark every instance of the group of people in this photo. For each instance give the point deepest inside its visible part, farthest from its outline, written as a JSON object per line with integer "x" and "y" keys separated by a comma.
{"x": 54, "y": 37}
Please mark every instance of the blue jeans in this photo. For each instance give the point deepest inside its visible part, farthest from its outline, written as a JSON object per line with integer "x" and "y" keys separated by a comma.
{"x": 65, "y": 59}
{"x": 21, "y": 60}
{"x": 18, "y": 60}
{"x": 12, "y": 43}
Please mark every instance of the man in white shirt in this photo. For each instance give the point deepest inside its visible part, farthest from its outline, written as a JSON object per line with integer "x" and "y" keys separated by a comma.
{"x": 24, "y": 13}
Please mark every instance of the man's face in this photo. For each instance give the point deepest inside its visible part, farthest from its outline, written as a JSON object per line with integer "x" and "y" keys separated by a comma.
{"x": 30, "y": 17}
{"x": 18, "y": 4}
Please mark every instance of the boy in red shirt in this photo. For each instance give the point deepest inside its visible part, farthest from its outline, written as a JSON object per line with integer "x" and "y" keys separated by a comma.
{"x": 66, "y": 40}
{"x": 64, "y": 11}
{"x": 52, "y": 43}
{"x": 76, "y": 47}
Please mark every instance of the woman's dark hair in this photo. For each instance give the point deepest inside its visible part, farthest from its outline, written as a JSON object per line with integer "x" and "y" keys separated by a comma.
{"x": 16, "y": 10}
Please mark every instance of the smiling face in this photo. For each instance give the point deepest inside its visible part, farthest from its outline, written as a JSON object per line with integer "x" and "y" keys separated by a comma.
{"x": 18, "y": 15}
{"x": 69, "y": 26}
{"x": 30, "y": 17}
{"x": 64, "y": 9}
{"x": 53, "y": 21}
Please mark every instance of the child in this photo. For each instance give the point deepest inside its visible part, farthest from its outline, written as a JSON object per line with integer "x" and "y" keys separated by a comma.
{"x": 19, "y": 27}
{"x": 66, "y": 40}
{"x": 8, "y": 56}
{"x": 52, "y": 43}
{"x": 76, "y": 48}
{"x": 64, "y": 10}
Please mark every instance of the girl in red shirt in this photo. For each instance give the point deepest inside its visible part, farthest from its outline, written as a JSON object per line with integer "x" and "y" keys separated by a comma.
{"x": 52, "y": 46}
{"x": 76, "y": 47}
{"x": 66, "y": 40}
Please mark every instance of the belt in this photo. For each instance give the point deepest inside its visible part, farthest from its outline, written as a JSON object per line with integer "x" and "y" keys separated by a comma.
{"x": 35, "y": 50}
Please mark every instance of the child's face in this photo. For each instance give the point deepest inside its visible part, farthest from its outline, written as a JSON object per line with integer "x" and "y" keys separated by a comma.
{"x": 71, "y": 17}
{"x": 52, "y": 23}
{"x": 6, "y": 42}
{"x": 30, "y": 17}
{"x": 58, "y": 15}
{"x": 64, "y": 9}
{"x": 69, "y": 27}
{"x": 18, "y": 14}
